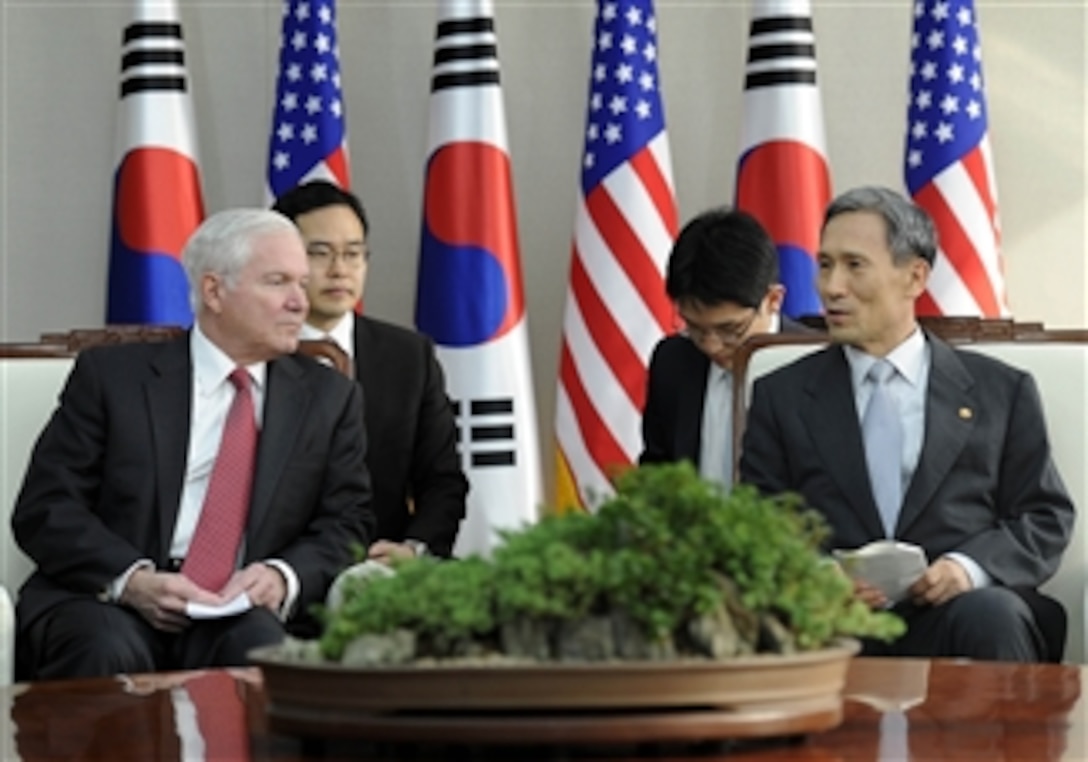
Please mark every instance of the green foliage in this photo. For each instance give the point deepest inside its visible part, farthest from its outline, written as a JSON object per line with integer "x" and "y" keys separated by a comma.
{"x": 656, "y": 550}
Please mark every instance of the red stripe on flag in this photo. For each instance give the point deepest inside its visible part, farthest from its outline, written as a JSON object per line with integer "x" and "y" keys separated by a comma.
{"x": 596, "y": 435}
{"x": 611, "y": 341}
{"x": 924, "y": 305}
{"x": 628, "y": 251}
{"x": 648, "y": 170}
{"x": 957, "y": 247}
{"x": 337, "y": 162}
{"x": 975, "y": 166}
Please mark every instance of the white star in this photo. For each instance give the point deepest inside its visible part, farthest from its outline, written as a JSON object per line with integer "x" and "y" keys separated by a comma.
{"x": 950, "y": 104}
{"x": 646, "y": 81}
{"x": 963, "y": 15}
{"x": 588, "y": 162}
{"x": 935, "y": 40}
{"x": 624, "y": 73}
{"x": 593, "y": 132}
{"x": 335, "y": 107}
{"x": 914, "y": 158}
{"x": 974, "y": 109}
{"x": 929, "y": 70}
{"x": 281, "y": 160}
{"x": 643, "y": 109}
{"x": 325, "y": 14}
{"x": 617, "y": 105}
{"x": 285, "y": 132}
{"x": 298, "y": 40}
{"x": 976, "y": 81}
{"x": 651, "y": 24}
{"x": 919, "y": 130}
{"x": 604, "y": 42}
{"x": 944, "y": 132}
{"x": 959, "y": 45}
{"x": 319, "y": 72}
{"x": 309, "y": 134}
{"x": 595, "y": 102}
{"x": 955, "y": 74}
{"x": 600, "y": 72}
{"x": 923, "y": 100}
{"x": 313, "y": 104}
{"x": 649, "y": 52}
{"x": 608, "y": 12}
{"x": 336, "y": 79}
{"x": 294, "y": 72}
{"x": 322, "y": 43}
{"x": 940, "y": 11}
{"x": 290, "y": 101}
{"x": 302, "y": 12}
{"x": 634, "y": 15}
{"x": 976, "y": 52}
{"x": 628, "y": 45}
{"x": 913, "y": 40}
{"x": 613, "y": 133}
{"x": 919, "y": 9}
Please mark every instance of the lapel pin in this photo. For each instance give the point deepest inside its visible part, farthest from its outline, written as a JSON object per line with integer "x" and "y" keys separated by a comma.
{"x": 966, "y": 414}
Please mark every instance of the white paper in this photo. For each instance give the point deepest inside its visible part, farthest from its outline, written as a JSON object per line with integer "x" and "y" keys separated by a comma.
{"x": 888, "y": 565}
{"x": 235, "y": 606}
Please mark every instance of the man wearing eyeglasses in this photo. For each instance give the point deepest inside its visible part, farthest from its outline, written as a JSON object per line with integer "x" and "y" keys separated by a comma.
{"x": 419, "y": 487}
{"x": 723, "y": 277}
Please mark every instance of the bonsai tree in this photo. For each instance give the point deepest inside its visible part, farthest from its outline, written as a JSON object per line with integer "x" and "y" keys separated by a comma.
{"x": 669, "y": 553}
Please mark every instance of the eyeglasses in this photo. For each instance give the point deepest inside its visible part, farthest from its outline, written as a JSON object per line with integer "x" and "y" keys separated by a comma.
{"x": 351, "y": 258}
{"x": 727, "y": 335}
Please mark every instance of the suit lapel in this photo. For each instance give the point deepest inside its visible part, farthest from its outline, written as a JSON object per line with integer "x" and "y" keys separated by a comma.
{"x": 169, "y": 402}
{"x": 286, "y": 404}
{"x": 947, "y": 429}
{"x": 831, "y": 417}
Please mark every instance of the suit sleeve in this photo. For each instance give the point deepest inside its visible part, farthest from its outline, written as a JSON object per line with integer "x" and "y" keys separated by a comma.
{"x": 655, "y": 414}
{"x": 340, "y": 518}
{"x": 56, "y": 519}
{"x": 438, "y": 484}
{"x": 1034, "y": 511}
{"x": 763, "y": 459}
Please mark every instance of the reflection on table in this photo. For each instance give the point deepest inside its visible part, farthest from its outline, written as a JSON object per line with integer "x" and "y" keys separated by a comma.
{"x": 895, "y": 709}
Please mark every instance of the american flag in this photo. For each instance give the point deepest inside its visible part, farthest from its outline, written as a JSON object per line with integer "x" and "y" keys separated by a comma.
{"x": 309, "y": 140}
{"x": 625, "y": 224}
{"x": 949, "y": 168}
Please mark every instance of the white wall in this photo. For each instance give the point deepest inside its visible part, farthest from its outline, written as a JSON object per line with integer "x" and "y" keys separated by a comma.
{"x": 59, "y": 64}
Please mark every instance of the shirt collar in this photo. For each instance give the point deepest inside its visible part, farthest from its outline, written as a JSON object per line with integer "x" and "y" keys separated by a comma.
{"x": 343, "y": 333}
{"x": 908, "y": 359}
{"x": 212, "y": 366}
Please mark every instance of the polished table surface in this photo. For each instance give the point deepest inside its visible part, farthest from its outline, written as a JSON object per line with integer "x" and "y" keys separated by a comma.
{"x": 902, "y": 709}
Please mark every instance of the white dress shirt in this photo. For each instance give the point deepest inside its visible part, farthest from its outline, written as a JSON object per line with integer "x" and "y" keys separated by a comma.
{"x": 342, "y": 334}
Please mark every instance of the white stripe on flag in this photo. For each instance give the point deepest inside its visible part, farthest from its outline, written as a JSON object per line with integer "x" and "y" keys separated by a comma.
{"x": 955, "y": 185}
{"x": 589, "y": 478}
{"x": 948, "y": 291}
{"x": 783, "y": 112}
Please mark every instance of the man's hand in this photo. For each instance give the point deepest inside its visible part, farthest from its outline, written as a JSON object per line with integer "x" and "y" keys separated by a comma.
{"x": 161, "y": 597}
{"x": 385, "y": 551}
{"x": 263, "y": 583}
{"x": 871, "y": 596}
{"x": 941, "y": 582}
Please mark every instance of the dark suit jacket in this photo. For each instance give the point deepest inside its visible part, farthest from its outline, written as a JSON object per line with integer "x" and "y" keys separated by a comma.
{"x": 104, "y": 482}
{"x": 984, "y": 486}
{"x": 672, "y": 419}
{"x": 413, "y": 436}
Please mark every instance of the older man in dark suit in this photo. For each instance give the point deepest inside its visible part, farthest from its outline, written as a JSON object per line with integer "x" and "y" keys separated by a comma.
{"x": 968, "y": 477}
{"x": 419, "y": 486}
{"x": 723, "y": 277}
{"x": 212, "y": 469}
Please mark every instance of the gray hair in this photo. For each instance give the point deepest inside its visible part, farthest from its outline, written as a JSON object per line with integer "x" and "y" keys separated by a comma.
{"x": 910, "y": 229}
{"x": 223, "y": 245}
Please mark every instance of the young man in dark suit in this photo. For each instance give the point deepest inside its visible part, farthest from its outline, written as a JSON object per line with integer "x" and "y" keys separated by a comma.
{"x": 419, "y": 487}
{"x": 132, "y": 467}
{"x": 971, "y": 479}
{"x": 723, "y": 277}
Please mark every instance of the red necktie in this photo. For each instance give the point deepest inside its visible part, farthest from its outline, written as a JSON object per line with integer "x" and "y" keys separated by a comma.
{"x": 214, "y": 547}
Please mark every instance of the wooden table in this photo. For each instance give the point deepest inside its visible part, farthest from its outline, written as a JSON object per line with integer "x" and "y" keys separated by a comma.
{"x": 894, "y": 710}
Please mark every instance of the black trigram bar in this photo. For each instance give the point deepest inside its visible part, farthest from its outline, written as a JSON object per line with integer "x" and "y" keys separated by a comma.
{"x": 472, "y": 435}
{"x": 760, "y": 53}
{"x": 484, "y": 53}
{"x": 164, "y": 38}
